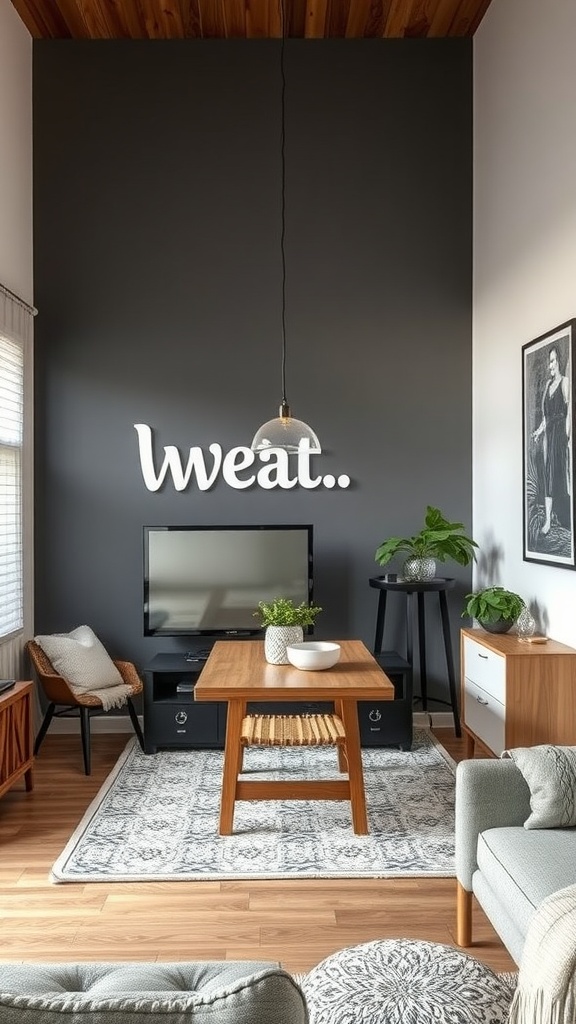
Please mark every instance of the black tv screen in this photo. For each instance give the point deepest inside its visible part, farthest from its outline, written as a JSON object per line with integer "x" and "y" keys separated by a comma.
{"x": 208, "y": 580}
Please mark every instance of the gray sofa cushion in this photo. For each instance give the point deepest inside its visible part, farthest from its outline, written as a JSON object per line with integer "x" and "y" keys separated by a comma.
{"x": 523, "y": 867}
{"x": 203, "y": 992}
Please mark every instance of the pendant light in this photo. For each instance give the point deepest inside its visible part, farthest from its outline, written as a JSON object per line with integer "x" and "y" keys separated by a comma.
{"x": 284, "y": 431}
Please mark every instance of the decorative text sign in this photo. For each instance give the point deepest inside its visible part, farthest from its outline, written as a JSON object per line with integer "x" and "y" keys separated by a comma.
{"x": 237, "y": 467}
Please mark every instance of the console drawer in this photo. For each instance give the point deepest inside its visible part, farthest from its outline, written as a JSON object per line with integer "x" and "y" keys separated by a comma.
{"x": 485, "y": 716}
{"x": 385, "y": 723}
{"x": 485, "y": 668}
{"x": 182, "y": 724}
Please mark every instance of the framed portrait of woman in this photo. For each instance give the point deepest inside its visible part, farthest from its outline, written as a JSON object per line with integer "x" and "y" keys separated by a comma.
{"x": 548, "y": 447}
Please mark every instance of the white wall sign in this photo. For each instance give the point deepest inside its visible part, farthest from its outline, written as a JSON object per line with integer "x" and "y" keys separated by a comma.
{"x": 237, "y": 467}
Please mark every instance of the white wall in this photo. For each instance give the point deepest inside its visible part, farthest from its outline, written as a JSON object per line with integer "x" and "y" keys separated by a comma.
{"x": 15, "y": 153}
{"x": 524, "y": 266}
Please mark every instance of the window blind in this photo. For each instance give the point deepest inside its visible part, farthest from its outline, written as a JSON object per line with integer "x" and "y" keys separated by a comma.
{"x": 11, "y": 436}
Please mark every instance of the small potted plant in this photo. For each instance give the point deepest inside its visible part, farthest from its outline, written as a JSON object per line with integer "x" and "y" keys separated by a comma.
{"x": 495, "y": 608}
{"x": 439, "y": 540}
{"x": 284, "y": 622}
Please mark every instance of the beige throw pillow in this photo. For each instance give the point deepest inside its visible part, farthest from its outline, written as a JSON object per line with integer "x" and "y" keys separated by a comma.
{"x": 81, "y": 660}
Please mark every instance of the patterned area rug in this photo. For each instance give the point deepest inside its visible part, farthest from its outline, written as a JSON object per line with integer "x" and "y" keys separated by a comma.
{"x": 156, "y": 819}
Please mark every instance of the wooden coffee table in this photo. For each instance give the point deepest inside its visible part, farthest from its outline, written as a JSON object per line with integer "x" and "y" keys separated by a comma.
{"x": 237, "y": 672}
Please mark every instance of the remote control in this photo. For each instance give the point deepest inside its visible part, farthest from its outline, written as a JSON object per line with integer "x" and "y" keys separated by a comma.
{"x": 6, "y": 684}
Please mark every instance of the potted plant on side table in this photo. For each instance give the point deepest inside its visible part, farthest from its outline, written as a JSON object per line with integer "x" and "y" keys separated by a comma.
{"x": 495, "y": 608}
{"x": 439, "y": 540}
{"x": 284, "y": 622}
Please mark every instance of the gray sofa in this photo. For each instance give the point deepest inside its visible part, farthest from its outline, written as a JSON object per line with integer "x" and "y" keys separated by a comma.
{"x": 508, "y": 868}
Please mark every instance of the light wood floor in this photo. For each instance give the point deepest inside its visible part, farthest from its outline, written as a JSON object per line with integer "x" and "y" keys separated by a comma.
{"x": 298, "y": 923}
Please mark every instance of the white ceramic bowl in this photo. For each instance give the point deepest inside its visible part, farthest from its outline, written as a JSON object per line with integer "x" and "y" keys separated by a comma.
{"x": 313, "y": 655}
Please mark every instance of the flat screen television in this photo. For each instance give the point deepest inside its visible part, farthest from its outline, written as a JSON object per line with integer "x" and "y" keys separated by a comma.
{"x": 208, "y": 580}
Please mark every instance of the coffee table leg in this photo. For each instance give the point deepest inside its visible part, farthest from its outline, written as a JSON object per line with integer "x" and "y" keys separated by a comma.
{"x": 232, "y": 762}
{"x": 342, "y": 759}
{"x": 356, "y": 778}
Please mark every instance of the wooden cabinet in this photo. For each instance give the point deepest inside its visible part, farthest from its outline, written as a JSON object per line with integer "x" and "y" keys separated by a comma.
{"x": 16, "y": 742}
{"x": 516, "y": 694}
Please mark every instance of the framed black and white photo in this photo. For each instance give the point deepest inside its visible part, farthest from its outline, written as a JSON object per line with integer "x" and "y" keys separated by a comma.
{"x": 548, "y": 446}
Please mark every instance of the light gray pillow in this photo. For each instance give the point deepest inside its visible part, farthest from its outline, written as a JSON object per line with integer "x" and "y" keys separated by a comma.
{"x": 550, "y": 773}
{"x": 81, "y": 659}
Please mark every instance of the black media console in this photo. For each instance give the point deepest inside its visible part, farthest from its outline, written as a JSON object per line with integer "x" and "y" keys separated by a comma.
{"x": 171, "y": 716}
{"x": 173, "y": 720}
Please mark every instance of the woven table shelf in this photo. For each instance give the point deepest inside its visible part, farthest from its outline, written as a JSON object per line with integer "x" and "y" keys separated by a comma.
{"x": 291, "y": 731}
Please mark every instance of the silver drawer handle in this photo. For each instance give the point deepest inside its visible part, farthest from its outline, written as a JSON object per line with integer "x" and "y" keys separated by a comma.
{"x": 485, "y": 656}
{"x": 480, "y": 701}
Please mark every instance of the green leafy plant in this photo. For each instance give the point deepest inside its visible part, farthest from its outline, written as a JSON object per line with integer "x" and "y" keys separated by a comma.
{"x": 493, "y": 604}
{"x": 283, "y": 612}
{"x": 439, "y": 539}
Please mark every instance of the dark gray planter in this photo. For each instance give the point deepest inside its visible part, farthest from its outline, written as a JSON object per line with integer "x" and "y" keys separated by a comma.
{"x": 500, "y": 626}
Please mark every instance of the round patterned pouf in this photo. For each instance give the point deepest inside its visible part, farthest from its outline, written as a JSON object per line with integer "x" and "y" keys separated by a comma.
{"x": 404, "y": 981}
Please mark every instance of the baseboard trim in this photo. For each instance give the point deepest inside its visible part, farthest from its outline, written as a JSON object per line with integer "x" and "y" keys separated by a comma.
{"x": 441, "y": 719}
{"x": 121, "y": 723}
{"x": 107, "y": 723}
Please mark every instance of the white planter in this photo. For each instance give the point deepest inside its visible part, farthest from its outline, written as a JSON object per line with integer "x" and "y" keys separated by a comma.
{"x": 276, "y": 640}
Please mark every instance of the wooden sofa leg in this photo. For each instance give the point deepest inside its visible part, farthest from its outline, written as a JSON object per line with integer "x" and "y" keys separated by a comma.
{"x": 463, "y": 916}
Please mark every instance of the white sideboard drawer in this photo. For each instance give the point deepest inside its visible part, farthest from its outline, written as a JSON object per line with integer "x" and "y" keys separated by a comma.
{"x": 485, "y": 668}
{"x": 485, "y": 716}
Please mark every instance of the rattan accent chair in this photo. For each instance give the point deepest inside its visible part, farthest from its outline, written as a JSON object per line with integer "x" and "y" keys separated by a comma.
{"x": 59, "y": 695}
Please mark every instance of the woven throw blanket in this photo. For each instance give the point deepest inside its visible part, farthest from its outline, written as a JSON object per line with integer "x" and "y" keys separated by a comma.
{"x": 546, "y": 992}
{"x": 113, "y": 697}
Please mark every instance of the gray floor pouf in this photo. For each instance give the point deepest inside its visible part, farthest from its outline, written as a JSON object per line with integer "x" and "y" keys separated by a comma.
{"x": 400, "y": 981}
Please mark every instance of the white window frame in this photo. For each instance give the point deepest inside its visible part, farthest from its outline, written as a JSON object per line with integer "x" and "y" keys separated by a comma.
{"x": 16, "y": 326}
{"x": 11, "y": 501}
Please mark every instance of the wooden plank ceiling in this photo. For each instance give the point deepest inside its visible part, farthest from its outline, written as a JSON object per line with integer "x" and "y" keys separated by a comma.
{"x": 250, "y": 19}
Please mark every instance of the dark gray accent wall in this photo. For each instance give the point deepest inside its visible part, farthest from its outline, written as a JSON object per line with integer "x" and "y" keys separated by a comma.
{"x": 157, "y": 279}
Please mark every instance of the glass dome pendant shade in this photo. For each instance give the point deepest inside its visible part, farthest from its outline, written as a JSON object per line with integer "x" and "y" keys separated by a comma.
{"x": 284, "y": 432}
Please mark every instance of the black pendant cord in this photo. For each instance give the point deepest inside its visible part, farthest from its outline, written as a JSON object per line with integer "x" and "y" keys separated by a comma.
{"x": 283, "y": 201}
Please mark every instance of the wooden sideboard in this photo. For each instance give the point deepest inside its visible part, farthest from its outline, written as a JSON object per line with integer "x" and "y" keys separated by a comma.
{"x": 16, "y": 739}
{"x": 515, "y": 694}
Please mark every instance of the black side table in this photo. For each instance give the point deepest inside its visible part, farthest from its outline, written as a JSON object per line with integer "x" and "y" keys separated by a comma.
{"x": 415, "y": 593}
